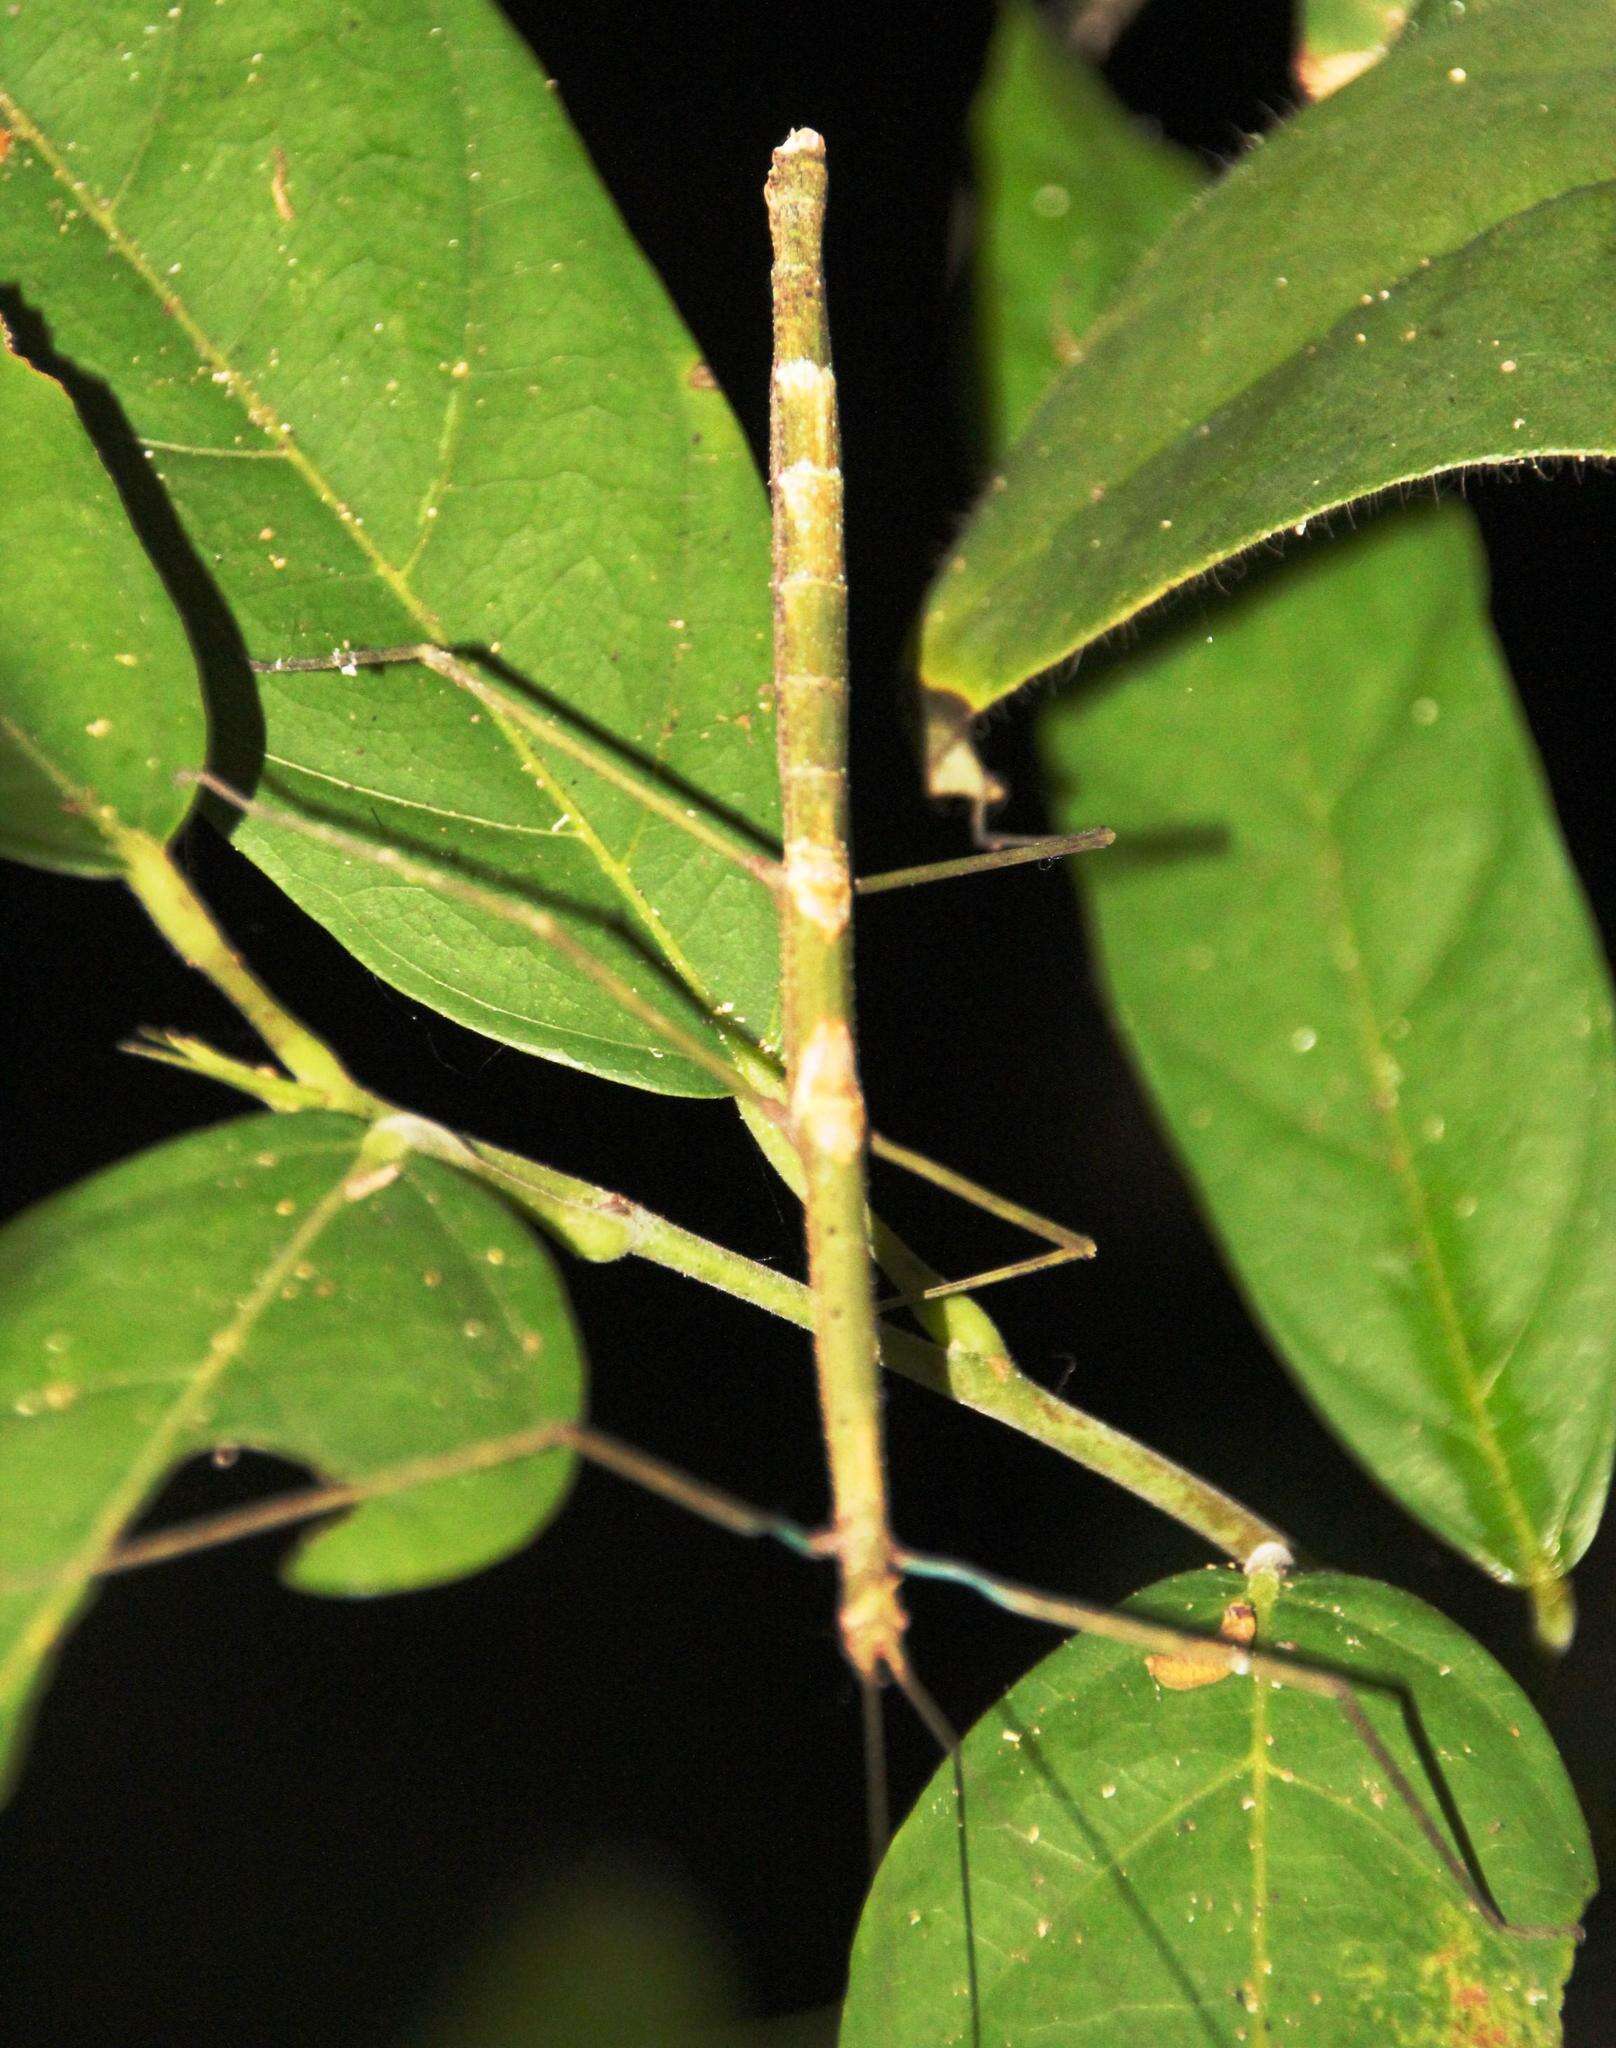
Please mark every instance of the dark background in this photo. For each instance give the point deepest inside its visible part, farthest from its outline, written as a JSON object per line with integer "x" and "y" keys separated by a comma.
{"x": 251, "y": 1816}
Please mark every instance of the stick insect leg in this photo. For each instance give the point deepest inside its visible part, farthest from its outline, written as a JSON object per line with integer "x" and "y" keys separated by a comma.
{"x": 288, "y": 1511}
{"x": 1069, "y": 1244}
{"x": 1006, "y": 852}
{"x": 742, "y": 1518}
{"x": 510, "y": 909}
{"x": 979, "y": 1197}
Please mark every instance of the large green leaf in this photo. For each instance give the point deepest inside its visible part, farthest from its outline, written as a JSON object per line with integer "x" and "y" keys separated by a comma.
{"x": 99, "y": 707}
{"x": 1228, "y": 1863}
{"x": 1407, "y": 277}
{"x": 1071, "y": 192}
{"x": 277, "y": 1283}
{"x": 351, "y": 278}
{"x": 1344, "y": 940}
{"x": 1345, "y": 945}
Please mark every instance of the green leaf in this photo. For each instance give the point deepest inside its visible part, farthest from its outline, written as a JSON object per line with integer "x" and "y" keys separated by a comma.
{"x": 1344, "y": 940}
{"x": 1228, "y": 1863}
{"x": 354, "y": 283}
{"x": 99, "y": 707}
{"x": 1408, "y": 277}
{"x": 230, "y": 1289}
{"x": 1070, "y": 193}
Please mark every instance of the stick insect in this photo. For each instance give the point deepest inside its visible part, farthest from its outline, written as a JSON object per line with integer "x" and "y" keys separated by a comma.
{"x": 810, "y": 1117}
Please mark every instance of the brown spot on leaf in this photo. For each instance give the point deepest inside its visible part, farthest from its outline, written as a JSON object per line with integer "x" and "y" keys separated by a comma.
{"x": 1192, "y": 1667}
{"x": 278, "y": 193}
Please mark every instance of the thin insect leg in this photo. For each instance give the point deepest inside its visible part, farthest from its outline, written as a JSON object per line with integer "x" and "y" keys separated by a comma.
{"x": 974, "y": 1283}
{"x": 741, "y": 1518}
{"x": 947, "y": 1738}
{"x": 979, "y": 1197}
{"x": 877, "y": 1793}
{"x": 287, "y": 1511}
{"x": 1011, "y": 854}
{"x": 548, "y": 729}
{"x": 539, "y": 924}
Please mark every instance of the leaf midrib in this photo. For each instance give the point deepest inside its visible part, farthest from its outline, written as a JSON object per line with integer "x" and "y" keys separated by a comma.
{"x": 1533, "y": 1565}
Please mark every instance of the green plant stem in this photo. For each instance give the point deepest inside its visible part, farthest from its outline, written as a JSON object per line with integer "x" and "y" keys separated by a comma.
{"x": 964, "y": 1360}
{"x": 186, "y": 922}
{"x": 828, "y": 1123}
{"x": 968, "y": 1364}
{"x": 993, "y": 1385}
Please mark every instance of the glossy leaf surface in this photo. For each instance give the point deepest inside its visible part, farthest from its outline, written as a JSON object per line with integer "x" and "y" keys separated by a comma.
{"x": 99, "y": 707}
{"x": 233, "y": 1288}
{"x": 356, "y": 287}
{"x": 1405, "y": 278}
{"x": 1228, "y": 1863}
{"x": 1071, "y": 192}
{"x": 1344, "y": 943}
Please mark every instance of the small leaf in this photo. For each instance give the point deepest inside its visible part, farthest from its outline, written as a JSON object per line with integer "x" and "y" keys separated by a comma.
{"x": 99, "y": 707}
{"x": 1408, "y": 277}
{"x": 274, "y": 1283}
{"x": 405, "y": 377}
{"x": 1228, "y": 1863}
{"x": 1344, "y": 940}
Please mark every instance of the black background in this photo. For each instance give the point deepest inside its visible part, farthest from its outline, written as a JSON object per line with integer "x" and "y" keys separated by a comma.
{"x": 251, "y": 1816}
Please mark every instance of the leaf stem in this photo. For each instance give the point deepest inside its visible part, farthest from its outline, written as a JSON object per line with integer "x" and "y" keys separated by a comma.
{"x": 963, "y": 1360}
{"x": 179, "y": 913}
{"x": 828, "y": 1122}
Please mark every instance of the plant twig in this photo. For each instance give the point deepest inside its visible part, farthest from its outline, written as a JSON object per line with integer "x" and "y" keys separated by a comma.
{"x": 962, "y": 1360}
{"x": 828, "y": 1123}
{"x": 179, "y": 913}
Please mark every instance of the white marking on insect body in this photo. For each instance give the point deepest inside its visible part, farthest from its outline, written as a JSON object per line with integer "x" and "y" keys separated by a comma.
{"x": 826, "y": 1107}
{"x": 819, "y": 885}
